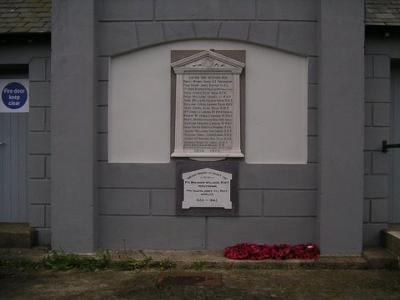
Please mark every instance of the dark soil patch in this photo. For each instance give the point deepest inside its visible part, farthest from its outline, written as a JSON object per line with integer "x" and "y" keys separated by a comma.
{"x": 236, "y": 284}
{"x": 189, "y": 278}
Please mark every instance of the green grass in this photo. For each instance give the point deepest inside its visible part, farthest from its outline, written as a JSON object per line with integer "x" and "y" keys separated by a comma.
{"x": 198, "y": 265}
{"x": 61, "y": 261}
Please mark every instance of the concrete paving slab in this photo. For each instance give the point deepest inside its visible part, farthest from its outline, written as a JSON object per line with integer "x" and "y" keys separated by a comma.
{"x": 16, "y": 235}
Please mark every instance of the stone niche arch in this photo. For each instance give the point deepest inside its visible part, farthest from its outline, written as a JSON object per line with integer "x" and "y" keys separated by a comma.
{"x": 139, "y": 104}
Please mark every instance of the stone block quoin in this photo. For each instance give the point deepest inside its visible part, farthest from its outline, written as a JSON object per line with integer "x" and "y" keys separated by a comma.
{"x": 377, "y": 165}
{"x": 39, "y": 152}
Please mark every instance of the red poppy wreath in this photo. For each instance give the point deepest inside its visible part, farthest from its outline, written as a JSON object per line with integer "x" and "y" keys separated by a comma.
{"x": 279, "y": 252}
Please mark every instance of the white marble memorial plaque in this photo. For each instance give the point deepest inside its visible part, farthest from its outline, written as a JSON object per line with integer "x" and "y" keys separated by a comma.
{"x": 207, "y": 119}
{"x": 207, "y": 188}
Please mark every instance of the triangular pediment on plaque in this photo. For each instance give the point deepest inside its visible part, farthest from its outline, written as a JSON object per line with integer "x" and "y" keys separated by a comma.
{"x": 207, "y": 60}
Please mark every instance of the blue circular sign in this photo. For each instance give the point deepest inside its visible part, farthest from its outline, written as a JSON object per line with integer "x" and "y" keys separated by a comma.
{"x": 14, "y": 95}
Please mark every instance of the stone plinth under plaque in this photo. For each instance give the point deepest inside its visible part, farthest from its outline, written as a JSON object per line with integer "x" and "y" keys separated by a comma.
{"x": 207, "y": 188}
{"x": 207, "y": 116}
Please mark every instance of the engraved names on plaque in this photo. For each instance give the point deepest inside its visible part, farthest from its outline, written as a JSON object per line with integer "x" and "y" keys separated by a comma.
{"x": 207, "y": 188}
{"x": 207, "y": 118}
{"x": 207, "y": 112}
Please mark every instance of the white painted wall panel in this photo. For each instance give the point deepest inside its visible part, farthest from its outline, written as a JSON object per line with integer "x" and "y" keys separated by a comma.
{"x": 276, "y": 104}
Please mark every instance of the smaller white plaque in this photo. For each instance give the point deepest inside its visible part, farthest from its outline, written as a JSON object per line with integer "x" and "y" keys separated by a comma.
{"x": 207, "y": 188}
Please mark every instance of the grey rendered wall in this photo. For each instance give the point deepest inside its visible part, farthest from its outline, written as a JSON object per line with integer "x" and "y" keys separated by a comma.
{"x": 380, "y": 50}
{"x": 278, "y": 203}
{"x": 341, "y": 126}
{"x": 39, "y": 154}
{"x": 72, "y": 138}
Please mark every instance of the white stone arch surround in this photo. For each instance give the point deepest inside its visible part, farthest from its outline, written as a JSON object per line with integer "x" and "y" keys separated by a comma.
{"x": 139, "y": 103}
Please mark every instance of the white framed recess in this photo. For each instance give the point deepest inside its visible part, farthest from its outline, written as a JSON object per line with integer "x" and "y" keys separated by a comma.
{"x": 276, "y": 96}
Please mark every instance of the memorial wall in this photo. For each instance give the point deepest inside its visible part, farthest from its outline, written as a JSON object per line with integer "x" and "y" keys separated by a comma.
{"x": 245, "y": 144}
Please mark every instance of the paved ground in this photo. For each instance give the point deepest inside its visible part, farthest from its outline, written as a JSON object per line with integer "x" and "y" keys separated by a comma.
{"x": 37, "y": 274}
{"x": 235, "y": 284}
{"x": 375, "y": 258}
